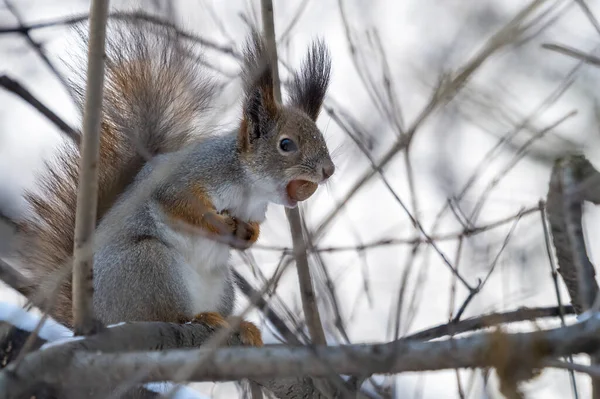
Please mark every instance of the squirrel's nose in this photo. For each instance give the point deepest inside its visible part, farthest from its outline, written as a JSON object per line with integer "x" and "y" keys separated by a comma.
{"x": 328, "y": 170}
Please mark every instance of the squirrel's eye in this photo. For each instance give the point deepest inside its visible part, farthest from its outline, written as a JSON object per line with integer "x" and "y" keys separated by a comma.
{"x": 287, "y": 145}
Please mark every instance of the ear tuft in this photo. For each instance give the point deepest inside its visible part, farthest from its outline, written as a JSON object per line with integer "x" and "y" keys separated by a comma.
{"x": 260, "y": 107}
{"x": 309, "y": 85}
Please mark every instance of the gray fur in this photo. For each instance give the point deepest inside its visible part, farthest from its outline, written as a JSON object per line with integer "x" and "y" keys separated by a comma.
{"x": 146, "y": 269}
{"x": 155, "y": 149}
{"x": 139, "y": 272}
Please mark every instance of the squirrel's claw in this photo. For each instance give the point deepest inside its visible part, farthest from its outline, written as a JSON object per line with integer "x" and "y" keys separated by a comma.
{"x": 245, "y": 233}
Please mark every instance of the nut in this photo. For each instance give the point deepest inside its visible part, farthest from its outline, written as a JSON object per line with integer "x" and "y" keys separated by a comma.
{"x": 300, "y": 190}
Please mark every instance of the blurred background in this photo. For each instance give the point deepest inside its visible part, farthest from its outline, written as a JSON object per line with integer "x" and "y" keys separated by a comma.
{"x": 466, "y": 110}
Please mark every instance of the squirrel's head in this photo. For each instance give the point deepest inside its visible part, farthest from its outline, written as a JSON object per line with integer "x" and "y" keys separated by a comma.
{"x": 281, "y": 145}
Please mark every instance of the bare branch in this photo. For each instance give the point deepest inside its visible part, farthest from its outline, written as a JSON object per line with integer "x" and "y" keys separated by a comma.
{"x": 574, "y": 180}
{"x": 18, "y": 89}
{"x": 139, "y": 337}
{"x": 569, "y": 187}
{"x": 588, "y": 13}
{"x": 14, "y": 279}
{"x": 67, "y": 370}
{"x": 87, "y": 197}
{"x": 487, "y": 321}
{"x": 125, "y": 15}
{"x": 571, "y": 52}
{"x": 39, "y": 49}
{"x": 445, "y": 92}
{"x": 554, "y": 274}
{"x": 311, "y": 312}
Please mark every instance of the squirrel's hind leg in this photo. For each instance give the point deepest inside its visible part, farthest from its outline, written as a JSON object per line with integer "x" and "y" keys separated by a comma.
{"x": 247, "y": 331}
{"x": 250, "y": 334}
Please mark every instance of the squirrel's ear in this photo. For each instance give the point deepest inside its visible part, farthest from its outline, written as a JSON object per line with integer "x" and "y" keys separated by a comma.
{"x": 309, "y": 85}
{"x": 260, "y": 108}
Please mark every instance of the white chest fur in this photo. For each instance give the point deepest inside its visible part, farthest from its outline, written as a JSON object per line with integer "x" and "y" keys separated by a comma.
{"x": 240, "y": 203}
{"x": 204, "y": 263}
{"x": 203, "y": 266}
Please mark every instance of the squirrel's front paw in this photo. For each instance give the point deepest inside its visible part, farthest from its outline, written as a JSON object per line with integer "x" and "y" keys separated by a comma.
{"x": 220, "y": 223}
{"x": 247, "y": 233}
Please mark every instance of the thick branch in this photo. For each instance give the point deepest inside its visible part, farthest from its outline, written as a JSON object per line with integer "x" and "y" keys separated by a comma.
{"x": 137, "y": 336}
{"x": 140, "y": 336}
{"x": 64, "y": 370}
{"x": 573, "y": 180}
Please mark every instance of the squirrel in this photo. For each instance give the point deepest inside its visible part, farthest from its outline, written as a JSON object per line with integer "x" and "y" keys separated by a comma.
{"x": 170, "y": 194}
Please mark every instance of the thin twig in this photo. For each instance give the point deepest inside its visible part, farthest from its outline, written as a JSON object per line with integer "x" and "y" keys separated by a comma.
{"x": 588, "y": 13}
{"x": 412, "y": 218}
{"x": 126, "y": 15}
{"x": 488, "y": 321}
{"x": 554, "y": 274}
{"x": 467, "y": 232}
{"x": 38, "y": 49}
{"x": 443, "y": 95}
{"x": 592, "y": 371}
{"x": 15, "y": 87}
{"x": 518, "y": 156}
{"x": 571, "y": 52}
{"x": 297, "y": 16}
{"x": 307, "y": 293}
{"x": 311, "y": 312}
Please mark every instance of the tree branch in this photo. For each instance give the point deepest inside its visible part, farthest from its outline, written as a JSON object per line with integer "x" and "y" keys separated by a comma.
{"x": 93, "y": 362}
{"x": 573, "y": 181}
{"x": 311, "y": 312}
{"x": 87, "y": 198}
{"x": 309, "y": 304}
{"x": 444, "y": 94}
{"x": 133, "y": 336}
{"x": 15, "y": 87}
{"x": 140, "y": 336}
{"x": 487, "y": 321}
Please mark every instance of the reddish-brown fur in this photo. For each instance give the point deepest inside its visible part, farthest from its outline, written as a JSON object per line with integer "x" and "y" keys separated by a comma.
{"x": 154, "y": 95}
{"x": 46, "y": 234}
{"x": 48, "y": 239}
{"x": 248, "y": 332}
{"x": 195, "y": 208}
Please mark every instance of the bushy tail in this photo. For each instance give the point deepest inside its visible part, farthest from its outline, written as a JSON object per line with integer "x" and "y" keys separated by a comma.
{"x": 154, "y": 95}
